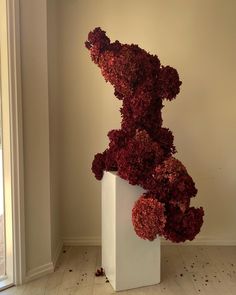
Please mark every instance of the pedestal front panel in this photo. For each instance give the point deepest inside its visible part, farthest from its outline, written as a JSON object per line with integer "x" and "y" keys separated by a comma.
{"x": 129, "y": 261}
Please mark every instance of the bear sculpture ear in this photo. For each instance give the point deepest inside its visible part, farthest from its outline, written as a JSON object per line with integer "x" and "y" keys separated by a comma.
{"x": 168, "y": 83}
{"x": 97, "y": 43}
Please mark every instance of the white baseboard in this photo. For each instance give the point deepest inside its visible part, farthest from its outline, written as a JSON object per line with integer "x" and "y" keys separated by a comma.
{"x": 38, "y": 272}
{"x": 82, "y": 241}
{"x": 45, "y": 269}
{"x": 57, "y": 253}
{"x": 203, "y": 241}
{"x": 199, "y": 241}
{"x": 96, "y": 241}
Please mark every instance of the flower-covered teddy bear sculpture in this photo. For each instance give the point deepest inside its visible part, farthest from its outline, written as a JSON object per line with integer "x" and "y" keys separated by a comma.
{"x": 142, "y": 150}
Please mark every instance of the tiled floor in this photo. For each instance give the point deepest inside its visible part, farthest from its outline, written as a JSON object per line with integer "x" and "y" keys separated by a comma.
{"x": 186, "y": 270}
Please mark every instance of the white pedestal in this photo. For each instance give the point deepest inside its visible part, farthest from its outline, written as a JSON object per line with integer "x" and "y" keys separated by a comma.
{"x": 129, "y": 261}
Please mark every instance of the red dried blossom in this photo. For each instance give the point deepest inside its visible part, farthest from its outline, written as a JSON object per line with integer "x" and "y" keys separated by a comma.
{"x": 168, "y": 83}
{"x": 97, "y": 43}
{"x": 110, "y": 159}
{"x": 148, "y": 217}
{"x": 151, "y": 121}
{"x": 118, "y": 138}
{"x": 123, "y": 68}
{"x": 141, "y": 151}
{"x": 165, "y": 138}
{"x": 172, "y": 183}
{"x": 100, "y": 272}
{"x": 98, "y": 166}
{"x": 181, "y": 226}
{"x": 138, "y": 158}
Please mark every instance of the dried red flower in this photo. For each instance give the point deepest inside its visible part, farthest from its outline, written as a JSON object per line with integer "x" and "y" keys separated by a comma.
{"x": 141, "y": 151}
{"x": 168, "y": 86}
{"x": 100, "y": 272}
{"x": 181, "y": 226}
{"x": 140, "y": 155}
{"x": 98, "y": 166}
{"x": 172, "y": 183}
{"x": 148, "y": 217}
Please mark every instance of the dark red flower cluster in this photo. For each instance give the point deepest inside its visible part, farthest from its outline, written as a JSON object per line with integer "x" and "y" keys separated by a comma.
{"x": 181, "y": 226}
{"x": 168, "y": 83}
{"x": 142, "y": 150}
{"x": 140, "y": 156}
{"x": 171, "y": 183}
{"x": 98, "y": 165}
{"x": 148, "y": 217}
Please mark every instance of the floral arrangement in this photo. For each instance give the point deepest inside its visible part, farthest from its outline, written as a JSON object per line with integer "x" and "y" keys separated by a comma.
{"x": 142, "y": 150}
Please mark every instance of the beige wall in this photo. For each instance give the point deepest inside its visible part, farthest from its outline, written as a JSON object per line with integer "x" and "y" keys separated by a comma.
{"x": 54, "y": 138}
{"x": 39, "y": 95}
{"x": 197, "y": 38}
{"x": 36, "y": 133}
